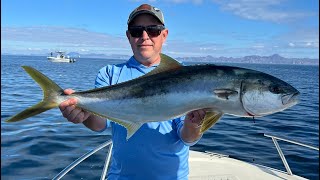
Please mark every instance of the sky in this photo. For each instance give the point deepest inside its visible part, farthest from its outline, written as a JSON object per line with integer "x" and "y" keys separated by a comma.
{"x": 229, "y": 28}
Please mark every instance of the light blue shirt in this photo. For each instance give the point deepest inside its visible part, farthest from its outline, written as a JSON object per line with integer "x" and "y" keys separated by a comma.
{"x": 156, "y": 150}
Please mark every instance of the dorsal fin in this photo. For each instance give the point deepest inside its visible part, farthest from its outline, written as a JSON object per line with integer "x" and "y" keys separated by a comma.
{"x": 167, "y": 63}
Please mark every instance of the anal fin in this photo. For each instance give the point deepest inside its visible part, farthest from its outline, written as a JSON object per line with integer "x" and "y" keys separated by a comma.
{"x": 131, "y": 127}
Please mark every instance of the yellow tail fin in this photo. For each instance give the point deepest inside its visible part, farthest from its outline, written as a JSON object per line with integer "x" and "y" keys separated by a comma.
{"x": 50, "y": 91}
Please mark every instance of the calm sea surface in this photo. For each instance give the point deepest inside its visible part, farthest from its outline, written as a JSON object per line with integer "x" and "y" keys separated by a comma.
{"x": 41, "y": 146}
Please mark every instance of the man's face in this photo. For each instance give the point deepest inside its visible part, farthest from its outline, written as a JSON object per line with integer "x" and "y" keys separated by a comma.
{"x": 146, "y": 49}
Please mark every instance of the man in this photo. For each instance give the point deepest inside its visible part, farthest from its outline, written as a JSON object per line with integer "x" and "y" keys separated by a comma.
{"x": 158, "y": 150}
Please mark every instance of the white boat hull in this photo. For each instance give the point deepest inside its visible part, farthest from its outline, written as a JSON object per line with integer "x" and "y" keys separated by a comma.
{"x": 66, "y": 60}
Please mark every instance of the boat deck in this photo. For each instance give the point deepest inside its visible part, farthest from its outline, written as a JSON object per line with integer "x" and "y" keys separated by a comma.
{"x": 210, "y": 166}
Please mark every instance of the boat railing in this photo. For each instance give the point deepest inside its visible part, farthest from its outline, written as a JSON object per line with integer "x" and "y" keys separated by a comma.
{"x": 214, "y": 154}
{"x": 284, "y": 161}
{"x": 109, "y": 143}
{"x": 85, "y": 156}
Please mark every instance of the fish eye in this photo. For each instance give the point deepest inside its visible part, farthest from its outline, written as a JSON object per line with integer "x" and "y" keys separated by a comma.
{"x": 275, "y": 89}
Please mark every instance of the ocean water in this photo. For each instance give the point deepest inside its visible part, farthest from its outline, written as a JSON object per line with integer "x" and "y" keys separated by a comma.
{"x": 41, "y": 146}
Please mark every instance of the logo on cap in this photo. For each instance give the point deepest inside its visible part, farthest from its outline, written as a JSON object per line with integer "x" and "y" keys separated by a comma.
{"x": 146, "y": 8}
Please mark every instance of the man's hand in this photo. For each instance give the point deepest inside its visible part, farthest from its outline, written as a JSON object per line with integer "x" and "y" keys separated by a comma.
{"x": 191, "y": 128}
{"x": 71, "y": 112}
{"x": 194, "y": 119}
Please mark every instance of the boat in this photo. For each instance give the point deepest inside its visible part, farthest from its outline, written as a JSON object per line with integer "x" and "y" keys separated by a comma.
{"x": 60, "y": 57}
{"x": 210, "y": 165}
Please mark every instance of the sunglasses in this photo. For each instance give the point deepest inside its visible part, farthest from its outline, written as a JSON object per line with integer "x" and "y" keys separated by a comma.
{"x": 152, "y": 30}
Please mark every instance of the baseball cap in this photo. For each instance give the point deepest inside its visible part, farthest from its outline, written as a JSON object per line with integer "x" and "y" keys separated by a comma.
{"x": 146, "y": 9}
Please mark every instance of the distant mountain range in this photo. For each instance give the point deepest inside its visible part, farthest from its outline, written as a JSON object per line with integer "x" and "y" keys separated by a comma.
{"x": 273, "y": 59}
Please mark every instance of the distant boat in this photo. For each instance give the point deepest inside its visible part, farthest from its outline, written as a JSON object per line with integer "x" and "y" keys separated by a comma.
{"x": 60, "y": 57}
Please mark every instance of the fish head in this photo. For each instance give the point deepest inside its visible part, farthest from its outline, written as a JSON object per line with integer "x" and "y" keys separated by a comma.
{"x": 264, "y": 94}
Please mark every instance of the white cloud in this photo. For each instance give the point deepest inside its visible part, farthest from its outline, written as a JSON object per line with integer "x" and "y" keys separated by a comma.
{"x": 258, "y": 46}
{"x": 207, "y": 49}
{"x": 44, "y": 38}
{"x": 292, "y": 45}
{"x": 72, "y": 36}
{"x": 267, "y": 10}
{"x": 308, "y": 44}
{"x": 47, "y": 39}
{"x": 303, "y": 37}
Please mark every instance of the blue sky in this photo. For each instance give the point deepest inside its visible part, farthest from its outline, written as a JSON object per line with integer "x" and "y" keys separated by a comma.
{"x": 230, "y": 28}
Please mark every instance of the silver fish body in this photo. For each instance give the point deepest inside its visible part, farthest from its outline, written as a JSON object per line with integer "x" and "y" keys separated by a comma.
{"x": 169, "y": 92}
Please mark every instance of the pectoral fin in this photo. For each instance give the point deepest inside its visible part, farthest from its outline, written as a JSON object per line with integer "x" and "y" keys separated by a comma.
{"x": 210, "y": 119}
{"x": 225, "y": 93}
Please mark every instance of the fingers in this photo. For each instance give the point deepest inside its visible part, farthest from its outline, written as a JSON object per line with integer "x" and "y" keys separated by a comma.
{"x": 189, "y": 116}
{"x": 74, "y": 114}
{"x": 67, "y": 103}
{"x": 67, "y": 107}
{"x": 77, "y": 115}
{"x": 196, "y": 116}
{"x": 68, "y": 91}
{"x": 70, "y": 111}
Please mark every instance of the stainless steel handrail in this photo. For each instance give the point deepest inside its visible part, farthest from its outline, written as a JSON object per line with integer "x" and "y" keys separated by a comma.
{"x": 109, "y": 142}
{"x": 284, "y": 161}
{"x": 106, "y": 164}
{"x": 293, "y": 142}
{"x": 85, "y": 156}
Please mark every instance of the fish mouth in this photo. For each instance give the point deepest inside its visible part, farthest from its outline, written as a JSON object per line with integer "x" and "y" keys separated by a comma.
{"x": 289, "y": 99}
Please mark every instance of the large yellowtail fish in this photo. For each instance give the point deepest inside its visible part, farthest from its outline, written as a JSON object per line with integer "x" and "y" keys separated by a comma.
{"x": 172, "y": 90}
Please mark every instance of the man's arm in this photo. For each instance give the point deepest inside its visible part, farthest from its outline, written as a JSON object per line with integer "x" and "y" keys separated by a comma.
{"x": 78, "y": 115}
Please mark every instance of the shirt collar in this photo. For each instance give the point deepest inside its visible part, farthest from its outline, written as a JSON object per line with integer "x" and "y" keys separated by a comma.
{"x": 132, "y": 62}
